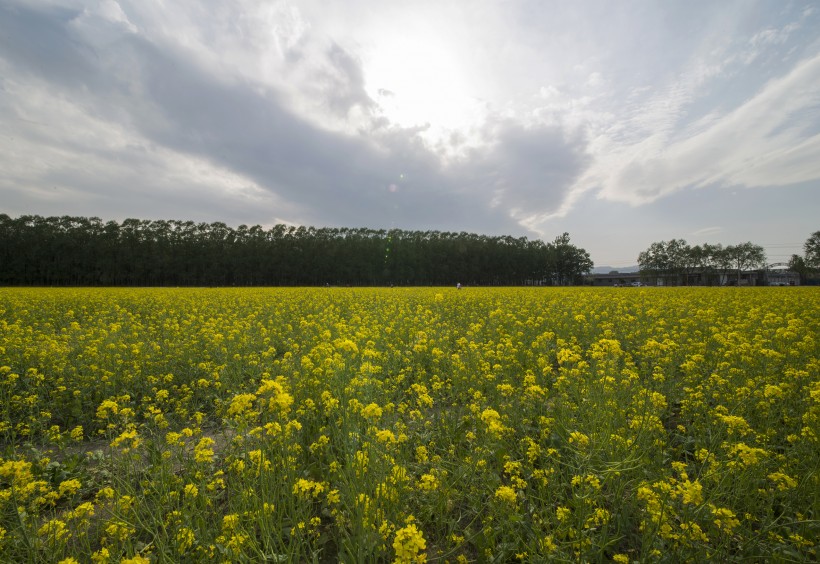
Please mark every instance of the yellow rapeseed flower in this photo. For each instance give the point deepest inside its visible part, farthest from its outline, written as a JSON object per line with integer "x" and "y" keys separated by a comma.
{"x": 409, "y": 544}
{"x": 506, "y": 494}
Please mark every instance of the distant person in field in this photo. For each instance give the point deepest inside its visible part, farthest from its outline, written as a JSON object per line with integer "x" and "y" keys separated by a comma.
{"x": 458, "y": 286}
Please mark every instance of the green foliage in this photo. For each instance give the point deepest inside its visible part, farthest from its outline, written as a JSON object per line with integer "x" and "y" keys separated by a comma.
{"x": 78, "y": 251}
{"x": 675, "y": 261}
{"x": 812, "y": 250}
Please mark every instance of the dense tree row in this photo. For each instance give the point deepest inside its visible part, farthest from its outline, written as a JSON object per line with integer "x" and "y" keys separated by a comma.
{"x": 677, "y": 263}
{"x": 37, "y": 250}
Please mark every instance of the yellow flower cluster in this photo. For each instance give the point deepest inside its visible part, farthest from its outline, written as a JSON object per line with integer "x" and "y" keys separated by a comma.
{"x": 409, "y": 544}
{"x": 487, "y": 424}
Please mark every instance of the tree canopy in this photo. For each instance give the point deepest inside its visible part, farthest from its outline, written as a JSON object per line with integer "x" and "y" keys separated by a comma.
{"x": 811, "y": 248}
{"x": 86, "y": 251}
{"x": 675, "y": 261}
{"x": 808, "y": 265}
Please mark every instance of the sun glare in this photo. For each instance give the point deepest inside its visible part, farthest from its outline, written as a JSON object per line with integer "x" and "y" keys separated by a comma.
{"x": 420, "y": 81}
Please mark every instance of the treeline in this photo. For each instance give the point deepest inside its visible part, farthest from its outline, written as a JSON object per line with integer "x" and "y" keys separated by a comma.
{"x": 677, "y": 263}
{"x": 80, "y": 251}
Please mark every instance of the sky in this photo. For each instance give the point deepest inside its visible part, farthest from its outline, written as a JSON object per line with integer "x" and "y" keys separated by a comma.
{"x": 622, "y": 123}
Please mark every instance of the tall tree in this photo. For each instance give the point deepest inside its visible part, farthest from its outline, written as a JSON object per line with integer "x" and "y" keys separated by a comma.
{"x": 669, "y": 261}
{"x": 654, "y": 262}
{"x": 798, "y": 264}
{"x": 571, "y": 263}
{"x": 745, "y": 256}
{"x": 811, "y": 249}
{"x": 680, "y": 260}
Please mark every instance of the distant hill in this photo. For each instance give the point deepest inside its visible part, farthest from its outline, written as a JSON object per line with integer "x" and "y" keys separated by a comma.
{"x": 620, "y": 269}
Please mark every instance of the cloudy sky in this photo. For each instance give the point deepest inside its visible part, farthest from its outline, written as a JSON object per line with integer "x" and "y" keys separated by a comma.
{"x": 622, "y": 123}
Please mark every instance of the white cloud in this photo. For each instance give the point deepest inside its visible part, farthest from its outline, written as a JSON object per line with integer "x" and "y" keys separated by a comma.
{"x": 425, "y": 114}
{"x": 67, "y": 157}
{"x": 707, "y": 231}
{"x": 766, "y": 141}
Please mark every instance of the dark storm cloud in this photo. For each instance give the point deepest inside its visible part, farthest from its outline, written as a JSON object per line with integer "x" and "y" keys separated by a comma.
{"x": 385, "y": 176}
{"x": 529, "y": 167}
{"x": 39, "y": 42}
{"x": 337, "y": 178}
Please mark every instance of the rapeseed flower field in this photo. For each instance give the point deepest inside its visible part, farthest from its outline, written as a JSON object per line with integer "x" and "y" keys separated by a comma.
{"x": 409, "y": 425}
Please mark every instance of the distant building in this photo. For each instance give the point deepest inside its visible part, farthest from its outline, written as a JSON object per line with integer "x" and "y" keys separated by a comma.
{"x": 774, "y": 275}
{"x": 780, "y": 275}
{"x": 615, "y": 279}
